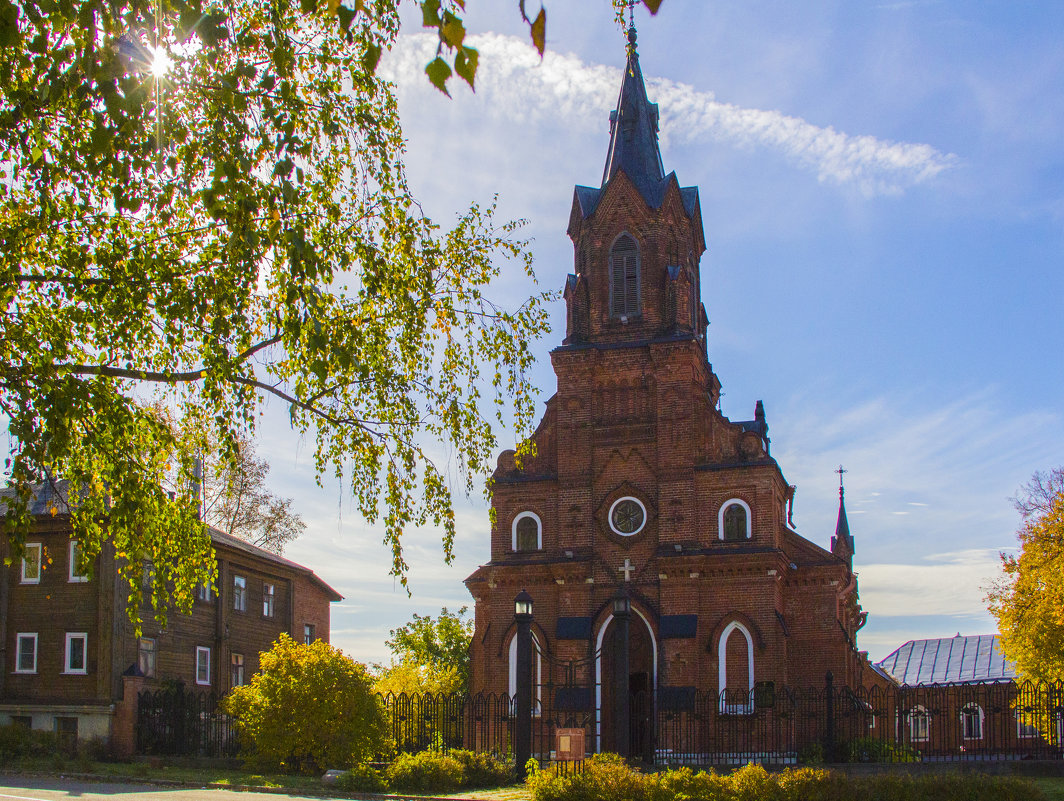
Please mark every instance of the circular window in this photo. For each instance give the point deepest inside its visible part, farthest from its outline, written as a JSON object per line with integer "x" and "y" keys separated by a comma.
{"x": 627, "y": 516}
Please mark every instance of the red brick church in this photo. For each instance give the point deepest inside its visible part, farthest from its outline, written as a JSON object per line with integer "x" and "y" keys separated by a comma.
{"x": 641, "y": 489}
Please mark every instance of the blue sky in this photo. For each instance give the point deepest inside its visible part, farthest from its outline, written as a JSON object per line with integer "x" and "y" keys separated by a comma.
{"x": 882, "y": 188}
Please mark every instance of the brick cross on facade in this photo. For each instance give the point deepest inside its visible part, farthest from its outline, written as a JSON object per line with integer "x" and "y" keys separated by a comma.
{"x": 627, "y": 569}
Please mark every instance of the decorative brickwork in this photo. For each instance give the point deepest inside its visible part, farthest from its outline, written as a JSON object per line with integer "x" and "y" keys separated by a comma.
{"x": 634, "y": 467}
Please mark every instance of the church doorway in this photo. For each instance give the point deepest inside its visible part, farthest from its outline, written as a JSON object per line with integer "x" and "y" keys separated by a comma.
{"x": 638, "y": 686}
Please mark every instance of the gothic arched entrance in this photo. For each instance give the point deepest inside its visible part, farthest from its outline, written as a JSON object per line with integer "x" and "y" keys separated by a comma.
{"x": 638, "y": 686}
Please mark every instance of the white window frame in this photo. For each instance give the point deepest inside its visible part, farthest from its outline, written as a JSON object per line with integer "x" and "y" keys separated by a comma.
{"x": 32, "y": 546}
{"x": 203, "y": 659}
{"x": 72, "y": 576}
{"x": 539, "y": 530}
{"x": 722, "y": 670}
{"x": 918, "y": 719}
{"x": 967, "y": 713}
{"x": 205, "y": 592}
{"x": 537, "y": 701}
{"x": 68, "y": 669}
{"x": 268, "y": 596}
{"x": 240, "y": 599}
{"x": 749, "y": 518}
{"x": 142, "y": 650}
{"x": 18, "y": 651}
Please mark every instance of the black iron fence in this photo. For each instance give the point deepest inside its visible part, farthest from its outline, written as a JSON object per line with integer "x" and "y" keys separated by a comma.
{"x": 177, "y": 722}
{"x": 770, "y": 724}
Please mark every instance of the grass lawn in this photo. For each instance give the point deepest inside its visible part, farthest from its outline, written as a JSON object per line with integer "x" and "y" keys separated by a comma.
{"x": 1053, "y": 787}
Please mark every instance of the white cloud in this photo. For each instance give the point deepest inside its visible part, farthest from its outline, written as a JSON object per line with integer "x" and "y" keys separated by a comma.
{"x": 515, "y": 85}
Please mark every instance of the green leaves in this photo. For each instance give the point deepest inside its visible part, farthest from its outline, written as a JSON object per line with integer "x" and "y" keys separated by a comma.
{"x": 439, "y": 71}
{"x": 238, "y": 231}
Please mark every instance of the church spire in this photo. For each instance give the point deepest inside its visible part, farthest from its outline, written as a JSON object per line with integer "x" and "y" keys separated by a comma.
{"x": 842, "y": 539}
{"x": 634, "y": 130}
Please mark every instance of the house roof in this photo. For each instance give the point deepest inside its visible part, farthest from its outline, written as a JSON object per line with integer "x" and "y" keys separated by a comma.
{"x": 949, "y": 660}
{"x": 54, "y": 495}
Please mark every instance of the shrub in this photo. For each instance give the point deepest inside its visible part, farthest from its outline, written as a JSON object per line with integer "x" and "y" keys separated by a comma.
{"x": 607, "y": 776}
{"x": 869, "y": 749}
{"x": 362, "y": 779}
{"x": 425, "y": 772}
{"x": 17, "y": 742}
{"x": 603, "y": 776}
{"x": 482, "y": 770}
{"x": 308, "y": 708}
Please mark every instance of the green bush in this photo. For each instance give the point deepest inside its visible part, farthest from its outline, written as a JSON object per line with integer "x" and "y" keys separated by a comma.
{"x": 17, "y": 742}
{"x": 425, "y": 772}
{"x": 482, "y": 770}
{"x": 362, "y": 779}
{"x": 869, "y": 749}
{"x": 606, "y": 776}
{"x": 308, "y": 708}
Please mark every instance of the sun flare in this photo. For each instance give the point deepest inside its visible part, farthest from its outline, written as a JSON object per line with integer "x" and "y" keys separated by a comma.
{"x": 160, "y": 63}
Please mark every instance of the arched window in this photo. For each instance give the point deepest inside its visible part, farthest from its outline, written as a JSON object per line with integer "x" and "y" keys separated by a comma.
{"x": 736, "y": 684}
{"x": 624, "y": 277}
{"x": 537, "y": 694}
{"x": 919, "y": 723}
{"x": 972, "y": 721}
{"x": 527, "y": 532}
{"x": 733, "y": 521}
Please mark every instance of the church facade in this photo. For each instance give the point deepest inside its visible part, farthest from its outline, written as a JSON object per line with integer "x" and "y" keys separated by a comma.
{"x": 641, "y": 489}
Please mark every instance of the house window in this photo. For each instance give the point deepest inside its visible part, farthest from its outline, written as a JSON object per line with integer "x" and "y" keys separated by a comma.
{"x": 26, "y": 653}
{"x": 240, "y": 593}
{"x": 624, "y": 278}
{"x": 972, "y": 722}
{"x": 203, "y": 665}
{"x": 527, "y": 532}
{"x": 76, "y": 574}
{"x": 204, "y": 592}
{"x": 919, "y": 724}
{"x": 146, "y": 656}
{"x": 76, "y": 660}
{"x": 308, "y": 633}
{"x": 1025, "y": 726}
{"x": 733, "y": 521}
{"x": 31, "y": 563}
{"x": 267, "y": 600}
{"x": 22, "y": 721}
{"x": 236, "y": 672}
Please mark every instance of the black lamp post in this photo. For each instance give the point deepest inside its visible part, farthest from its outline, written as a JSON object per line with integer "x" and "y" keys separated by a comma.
{"x": 523, "y": 701}
{"x": 622, "y": 612}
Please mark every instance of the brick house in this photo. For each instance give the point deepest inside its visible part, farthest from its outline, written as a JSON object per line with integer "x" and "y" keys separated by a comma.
{"x": 72, "y": 660}
{"x": 640, "y": 485}
{"x": 961, "y": 695}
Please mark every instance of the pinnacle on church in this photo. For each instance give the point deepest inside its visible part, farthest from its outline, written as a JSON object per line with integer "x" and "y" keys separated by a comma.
{"x": 842, "y": 526}
{"x": 634, "y": 131}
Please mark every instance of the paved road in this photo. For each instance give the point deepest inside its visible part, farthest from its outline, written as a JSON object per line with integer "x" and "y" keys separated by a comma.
{"x": 13, "y": 788}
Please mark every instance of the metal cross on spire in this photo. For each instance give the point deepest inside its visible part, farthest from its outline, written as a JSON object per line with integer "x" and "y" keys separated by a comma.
{"x": 631, "y": 26}
{"x": 841, "y": 471}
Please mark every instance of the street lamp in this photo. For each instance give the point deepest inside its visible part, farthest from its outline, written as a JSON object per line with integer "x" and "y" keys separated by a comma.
{"x": 522, "y": 606}
{"x": 523, "y": 701}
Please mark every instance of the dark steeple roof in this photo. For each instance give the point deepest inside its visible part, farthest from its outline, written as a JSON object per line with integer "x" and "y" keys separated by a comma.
{"x": 842, "y": 525}
{"x": 634, "y": 133}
